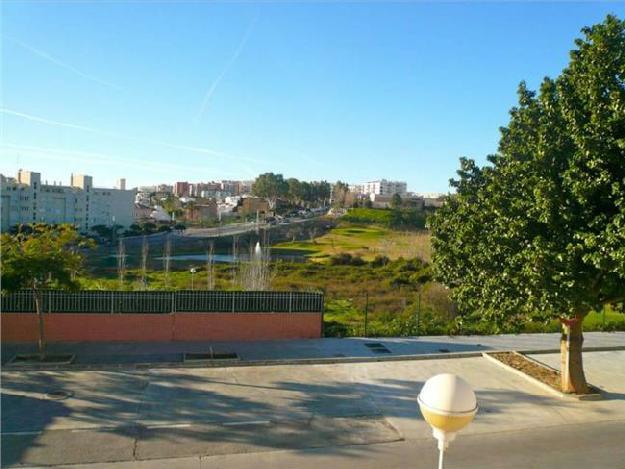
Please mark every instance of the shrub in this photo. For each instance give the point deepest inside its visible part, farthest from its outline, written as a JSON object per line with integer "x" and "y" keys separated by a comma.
{"x": 380, "y": 261}
{"x": 335, "y": 329}
{"x": 345, "y": 258}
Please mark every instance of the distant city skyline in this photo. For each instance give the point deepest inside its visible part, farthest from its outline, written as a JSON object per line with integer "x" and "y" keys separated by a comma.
{"x": 164, "y": 92}
{"x": 123, "y": 183}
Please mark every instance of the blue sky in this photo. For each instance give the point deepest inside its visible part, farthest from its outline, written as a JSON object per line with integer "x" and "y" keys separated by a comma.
{"x": 159, "y": 92}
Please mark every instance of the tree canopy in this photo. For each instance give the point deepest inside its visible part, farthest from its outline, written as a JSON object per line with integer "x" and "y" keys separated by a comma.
{"x": 42, "y": 256}
{"x": 270, "y": 186}
{"x": 540, "y": 231}
{"x": 273, "y": 187}
{"x": 341, "y": 196}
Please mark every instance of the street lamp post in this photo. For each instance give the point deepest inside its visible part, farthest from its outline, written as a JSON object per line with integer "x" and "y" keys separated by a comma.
{"x": 193, "y": 271}
{"x": 448, "y": 404}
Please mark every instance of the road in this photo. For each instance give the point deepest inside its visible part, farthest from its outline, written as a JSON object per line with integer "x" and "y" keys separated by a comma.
{"x": 224, "y": 230}
{"x": 235, "y": 228}
{"x": 361, "y": 415}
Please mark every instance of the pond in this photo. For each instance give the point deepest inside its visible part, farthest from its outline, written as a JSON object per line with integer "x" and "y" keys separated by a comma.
{"x": 291, "y": 255}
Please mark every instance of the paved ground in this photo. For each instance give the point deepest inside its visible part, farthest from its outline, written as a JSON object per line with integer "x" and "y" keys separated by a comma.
{"x": 361, "y": 415}
{"x": 123, "y": 353}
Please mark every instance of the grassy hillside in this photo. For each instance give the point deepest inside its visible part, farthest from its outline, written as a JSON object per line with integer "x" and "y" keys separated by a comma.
{"x": 386, "y": 279}
{"x": 366, "y": 242}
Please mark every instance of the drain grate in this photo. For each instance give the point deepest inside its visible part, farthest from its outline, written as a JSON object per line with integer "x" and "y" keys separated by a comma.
{"x": 211, "y": 355}
{"x": 58, "y": 395}
{"x": 377, "y": 347}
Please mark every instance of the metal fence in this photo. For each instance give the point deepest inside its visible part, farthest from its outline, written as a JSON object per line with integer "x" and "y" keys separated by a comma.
{"x": 187, "y": 301}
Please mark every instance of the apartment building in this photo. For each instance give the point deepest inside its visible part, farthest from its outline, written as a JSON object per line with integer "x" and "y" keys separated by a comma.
{"x": 380, "y": 187}
{"x": 25, "y": 199}
{"x": 181, "y": 189}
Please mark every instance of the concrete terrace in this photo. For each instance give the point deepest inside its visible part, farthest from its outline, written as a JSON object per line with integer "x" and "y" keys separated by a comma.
{"x": 293, "y": 414}
{"x": 346, "y": 415}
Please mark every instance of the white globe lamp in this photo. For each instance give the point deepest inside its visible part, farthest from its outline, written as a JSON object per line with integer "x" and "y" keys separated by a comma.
{"x": 448, "y": 404}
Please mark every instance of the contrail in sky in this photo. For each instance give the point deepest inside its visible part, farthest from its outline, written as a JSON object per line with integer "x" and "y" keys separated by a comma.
{"x": 50, "y": 58}
{"x": 229, "y": 64}
{"x": 205, "y": 151}
{"x": 43, "y": 120}
{"x": 100, "y": 158}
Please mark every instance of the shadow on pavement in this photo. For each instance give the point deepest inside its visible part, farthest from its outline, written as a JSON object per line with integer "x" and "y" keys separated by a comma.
{"x": 173, "y": 413}
{"x": 33, "y": 415}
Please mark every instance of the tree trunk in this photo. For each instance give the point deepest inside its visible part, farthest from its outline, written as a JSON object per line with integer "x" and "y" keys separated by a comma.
{"x": 572, "y": 368}
{"x": 41, "y": 343}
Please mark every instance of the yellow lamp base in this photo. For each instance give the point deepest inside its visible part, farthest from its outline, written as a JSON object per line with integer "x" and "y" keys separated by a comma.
{"x": 446, "y": 423}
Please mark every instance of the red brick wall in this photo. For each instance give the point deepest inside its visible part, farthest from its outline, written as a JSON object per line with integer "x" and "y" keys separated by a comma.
{"x": 79, "y": 327}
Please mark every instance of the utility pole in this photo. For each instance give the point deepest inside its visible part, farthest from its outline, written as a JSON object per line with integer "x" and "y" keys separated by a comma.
{"x": 366, "y": 312}
{"x": 418, "y": 311}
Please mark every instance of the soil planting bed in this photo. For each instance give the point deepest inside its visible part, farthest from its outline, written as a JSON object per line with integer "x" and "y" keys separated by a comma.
{"x": 529, "y": 367}
{"x": 540, "y": 374}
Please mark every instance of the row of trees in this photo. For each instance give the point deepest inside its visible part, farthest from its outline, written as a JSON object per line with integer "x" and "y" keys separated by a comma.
{"x": 273, "y": 186}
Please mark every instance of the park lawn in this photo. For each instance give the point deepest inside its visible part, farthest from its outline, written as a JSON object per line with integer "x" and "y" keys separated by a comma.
{"x": 607, "y": 320}
{"x": 364, "y": 241}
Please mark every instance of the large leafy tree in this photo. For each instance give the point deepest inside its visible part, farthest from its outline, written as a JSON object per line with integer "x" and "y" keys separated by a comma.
{"x": 271, "y": 187}
{"x": 540, "y": 231}
{"x": 340, "y": 194}
{"x": 321, "y": 191}
{"x": 41, "y": 256}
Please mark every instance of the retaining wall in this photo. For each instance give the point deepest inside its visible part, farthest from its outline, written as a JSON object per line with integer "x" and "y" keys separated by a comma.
{"x": 90, "y": 327}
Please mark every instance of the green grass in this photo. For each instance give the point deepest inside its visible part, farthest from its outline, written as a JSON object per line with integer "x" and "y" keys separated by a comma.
{"x": 392, "y": 289}
{"x": 369, "y": 215}
{"x": 365, "y": 241}
{"x": 607, "y": 320}
{"x": 610, "y": 320}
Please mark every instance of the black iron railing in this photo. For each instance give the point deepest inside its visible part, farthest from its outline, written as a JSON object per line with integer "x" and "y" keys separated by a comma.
{"x": 187, "y": 301}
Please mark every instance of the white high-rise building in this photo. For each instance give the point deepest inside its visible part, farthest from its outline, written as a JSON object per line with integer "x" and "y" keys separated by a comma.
{"x": 26, "y": 200}
{"x": 381, "y": 187}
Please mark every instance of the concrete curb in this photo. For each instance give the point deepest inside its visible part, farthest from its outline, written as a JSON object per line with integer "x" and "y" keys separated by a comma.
{"x": 285, "y": 361}
{"x": 242, "y": 363}
{"x": 544, "y": 386}
{"x": 606, "y": 348}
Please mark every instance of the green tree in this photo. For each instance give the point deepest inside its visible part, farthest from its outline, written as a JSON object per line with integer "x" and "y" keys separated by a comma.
{"x": 102, "y": 231}
{"x": 340, "y": 195}
{"x": 539, "y": 233}
{"x": 321, "y": 191}
{"x": 41, "y": 256}
{"x": 296, "y": 190}
{"x": 271, "y": 187}
{"x": 172, "y": 206}
{"x": 396, "y": 201}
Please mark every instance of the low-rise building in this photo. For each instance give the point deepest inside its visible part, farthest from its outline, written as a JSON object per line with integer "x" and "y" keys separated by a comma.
{"x": 202, "y": 212}
{"x": 253, "y": 205}
{"x": 386, "y": 201}
{"x": 142, "y": 213}
{"x": 434, "y": 202}
{"x": 159, "y": 215}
